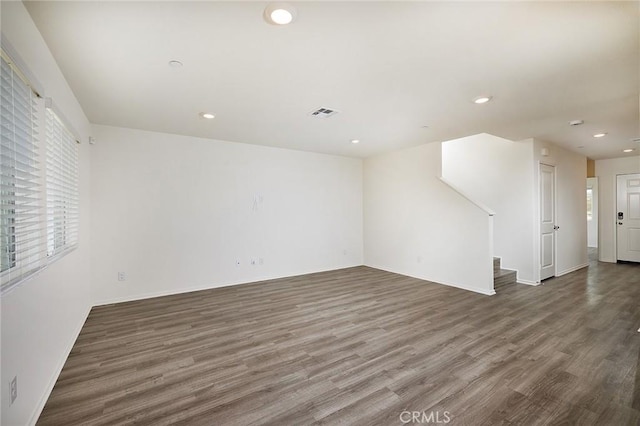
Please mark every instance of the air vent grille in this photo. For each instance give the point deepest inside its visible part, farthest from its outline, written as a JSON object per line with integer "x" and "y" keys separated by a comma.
{"x": 323, "y": 112}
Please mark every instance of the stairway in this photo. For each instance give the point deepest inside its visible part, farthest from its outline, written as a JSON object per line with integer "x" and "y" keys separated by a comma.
{"x": 502, "y": 278}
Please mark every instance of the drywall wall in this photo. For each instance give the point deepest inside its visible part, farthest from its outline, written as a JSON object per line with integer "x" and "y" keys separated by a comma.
{"x": 592, "y": 223}
{"x": 504, "y": 176}
{"x": 571, "y": 205}
{"x": 42, "y": 317}
{"x": 416, "y": 225}
{"x": 176, "y": 213}
{"x": 498, "y": 172}
{"x": 606, "y": 171}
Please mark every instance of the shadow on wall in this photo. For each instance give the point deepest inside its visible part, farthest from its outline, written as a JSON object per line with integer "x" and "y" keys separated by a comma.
{"x": 416, "y": 225}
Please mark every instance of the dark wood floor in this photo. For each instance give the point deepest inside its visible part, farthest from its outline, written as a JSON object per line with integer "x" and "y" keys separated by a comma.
{"x": 360, "y": 346}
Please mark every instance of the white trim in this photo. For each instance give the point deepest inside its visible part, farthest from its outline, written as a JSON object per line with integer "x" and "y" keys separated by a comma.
{"x": 151, "y": 295}
{"x": 462, "y": 287}
{"x": 229, "y": 284}
{"x": 573, "y": 269}
{"x": 54, "y": 378}
{"x": 527, "y": 282}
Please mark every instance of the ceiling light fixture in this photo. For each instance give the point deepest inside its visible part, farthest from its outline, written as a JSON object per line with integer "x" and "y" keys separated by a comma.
{"x": 207, "y": 115}
{"x": 628, "y": 150}
{"x": 482, "y": 99}
{"x": 279, "y": 13}
{"x": 175, "y": 64}
{"x": 354, "y": 141}
{"x": 599, "y": 135}
{"x": 576, "y": 122}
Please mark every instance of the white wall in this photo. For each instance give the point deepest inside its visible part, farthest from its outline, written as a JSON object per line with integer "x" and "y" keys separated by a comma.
{"x": 42, "y": 317}
{"x": 175, "y": 212}
{"x": 592, "y": 225}
{"x": 571, "y": 206}
{"x": 416, "y": 225}
{"x": 498, "y": 172}
{"x": 504, "y": 176}
{"x": 606, "y": 171}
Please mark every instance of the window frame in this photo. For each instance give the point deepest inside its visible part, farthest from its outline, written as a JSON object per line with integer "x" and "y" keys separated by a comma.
{"x": 26, "y": 243}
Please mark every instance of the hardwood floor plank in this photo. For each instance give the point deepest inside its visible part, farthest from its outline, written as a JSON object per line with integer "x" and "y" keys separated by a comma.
{"x": 360, "y": 346}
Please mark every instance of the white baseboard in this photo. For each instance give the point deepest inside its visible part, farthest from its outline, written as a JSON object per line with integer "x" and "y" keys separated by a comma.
{"x": 462, "y": 287}
{"x": 575, "y": 268}
{"x": 527, "y": 282}
{"x": 151, "y": 295}
{"x": 56, "y": 374}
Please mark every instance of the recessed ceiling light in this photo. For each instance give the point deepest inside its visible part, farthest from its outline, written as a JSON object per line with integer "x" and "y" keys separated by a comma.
{"x": 599, "y": 135}
{"x": 581, "y": 147}
{"x": 482, "y": 99}
{"x": 355, "y": 140}
{"x": 576, "y": 122}
{"x": 281, "y": 16}
{"x": 279, "y": 13}
{"x": 207, "y": 115}
{"x": 628, "y": 150}
{"x": 175, "y": 64}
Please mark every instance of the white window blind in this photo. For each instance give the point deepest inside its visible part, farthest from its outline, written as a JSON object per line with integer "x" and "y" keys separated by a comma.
{"x": 62, "y": 186}
{"x": 22, "y": 243}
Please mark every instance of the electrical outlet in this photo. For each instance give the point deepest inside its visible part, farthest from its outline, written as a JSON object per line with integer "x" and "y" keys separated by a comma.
{"x": 13, "y": 389}
{"x": 237, "y": 262}
{"x": 253, "y": 261}
{"x": 122, "y": 276}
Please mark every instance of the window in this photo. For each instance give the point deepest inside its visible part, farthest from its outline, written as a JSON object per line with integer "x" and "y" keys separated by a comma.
{"x": 38, "y": 184}
{"x": 62, "y": 186}
{"x": 21, "y": 236}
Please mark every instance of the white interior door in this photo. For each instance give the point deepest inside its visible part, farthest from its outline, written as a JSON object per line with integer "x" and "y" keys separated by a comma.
{"x": 548, "y": 225}
{"x": 628, "y": 217}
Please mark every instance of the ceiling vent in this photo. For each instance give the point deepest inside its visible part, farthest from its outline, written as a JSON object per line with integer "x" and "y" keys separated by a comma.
{"x": 323, "y": 113}
{"x": 635, "y": 140}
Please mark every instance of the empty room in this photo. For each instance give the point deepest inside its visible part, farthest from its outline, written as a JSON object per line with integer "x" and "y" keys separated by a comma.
{"x": 354, "y": 213}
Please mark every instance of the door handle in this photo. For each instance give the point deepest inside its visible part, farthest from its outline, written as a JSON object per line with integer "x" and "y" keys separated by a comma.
{"x": 619, "y": 223}
{"x": 556, "y": 227}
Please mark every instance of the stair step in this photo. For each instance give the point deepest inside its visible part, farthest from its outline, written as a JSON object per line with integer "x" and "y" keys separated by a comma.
{"x": 503, "y": 277}
{"x": 496, "y": 265}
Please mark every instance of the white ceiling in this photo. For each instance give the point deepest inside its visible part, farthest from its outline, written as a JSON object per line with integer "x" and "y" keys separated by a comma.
{"x": 390, "y": 68}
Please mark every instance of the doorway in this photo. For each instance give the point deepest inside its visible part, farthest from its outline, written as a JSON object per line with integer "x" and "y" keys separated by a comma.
{"x": 592, "y": 213}
{"x": 548, "y": 225}
{"x": 628, "y": 217}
